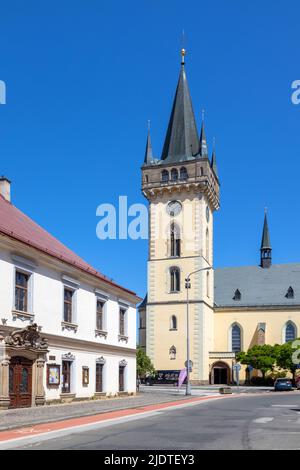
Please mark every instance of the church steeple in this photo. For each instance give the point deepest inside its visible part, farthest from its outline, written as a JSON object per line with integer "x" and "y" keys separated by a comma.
{"x": 148, "y": 152}
{"x": 181, "y": 142}
{"x": 265, "y": 249}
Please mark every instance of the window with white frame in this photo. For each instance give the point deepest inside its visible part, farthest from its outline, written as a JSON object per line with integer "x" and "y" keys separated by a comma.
{"x": 22, "y": 284}
{"x": 122, "y": 321}
{"x": 68, "y": 305}
{"x": 100, "y": 315}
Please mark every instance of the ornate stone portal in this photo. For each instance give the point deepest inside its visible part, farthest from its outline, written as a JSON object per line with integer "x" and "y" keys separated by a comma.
{"x": 27, "y": 343}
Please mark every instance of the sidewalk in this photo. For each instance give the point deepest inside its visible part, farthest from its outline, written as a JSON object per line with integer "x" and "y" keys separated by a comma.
{"x": 22, "y": 417}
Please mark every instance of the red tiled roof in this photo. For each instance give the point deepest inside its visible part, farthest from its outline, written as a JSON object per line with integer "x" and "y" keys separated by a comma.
{"x": 17, "y": 225}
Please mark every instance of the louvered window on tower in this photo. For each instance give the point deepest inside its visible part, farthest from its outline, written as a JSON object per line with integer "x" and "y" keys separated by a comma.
{"x": 174, "y": 174}
{"x": 183, "y": 173}
{"x": 237, "y": 295}
{"x": 165, "y": 176}
{"x": 290, "y": 293}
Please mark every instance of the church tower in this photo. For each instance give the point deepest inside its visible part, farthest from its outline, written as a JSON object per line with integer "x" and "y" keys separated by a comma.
{"x": 182, "y": 188}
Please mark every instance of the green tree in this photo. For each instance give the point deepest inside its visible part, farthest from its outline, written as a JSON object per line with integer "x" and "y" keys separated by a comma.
{"x": 143, "y": 363}
{"x": 284, "y": 357}
{"x": 262, "y": 358}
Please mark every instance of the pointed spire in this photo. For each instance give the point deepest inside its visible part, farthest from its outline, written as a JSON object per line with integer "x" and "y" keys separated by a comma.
{"x": 203, "y": 144}
{"x": 213, "y": 163}
{"x": 181, "y": 142}
{"x": 148, "y": 153}
{"x": 266, "y": 249}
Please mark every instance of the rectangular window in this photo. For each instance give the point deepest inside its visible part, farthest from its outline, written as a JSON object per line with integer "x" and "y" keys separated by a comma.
{"x": 66, "y": 376}
{"x": 21, "y": 291}
{"x": 121, "y": 378}
{"x": 122, "y": 330}
{"x": 99, "y": 315}
{"x": 68, "y": 305}
{"x": 99, "y": 378}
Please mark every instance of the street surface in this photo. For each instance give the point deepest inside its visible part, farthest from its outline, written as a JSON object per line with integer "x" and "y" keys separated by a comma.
{"x": 258, "y": 421}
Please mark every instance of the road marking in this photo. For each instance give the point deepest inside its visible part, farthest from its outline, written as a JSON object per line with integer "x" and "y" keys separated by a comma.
{"x": 285, "y": 406}
{"x": 262, "y": 420}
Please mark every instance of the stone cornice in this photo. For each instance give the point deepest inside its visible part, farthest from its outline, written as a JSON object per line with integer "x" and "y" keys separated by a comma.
{"x": 251, "y": 308}
{"x": 56, "y": 341}
{"x": 175, "y": 302}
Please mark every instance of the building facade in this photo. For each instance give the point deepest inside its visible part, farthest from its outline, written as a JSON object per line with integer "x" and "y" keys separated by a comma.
{"x": 229, "y": 309}
{"x": 67, "y": 332}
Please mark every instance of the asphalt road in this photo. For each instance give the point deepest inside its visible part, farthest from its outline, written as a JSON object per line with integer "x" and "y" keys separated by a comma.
{"x": 246, "y": 422}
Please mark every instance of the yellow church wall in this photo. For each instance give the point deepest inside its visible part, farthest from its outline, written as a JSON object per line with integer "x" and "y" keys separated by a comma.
{"x": 274, "y": 319}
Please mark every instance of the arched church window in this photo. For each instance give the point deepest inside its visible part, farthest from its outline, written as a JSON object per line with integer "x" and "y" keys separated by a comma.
{"x": 175, "y": 240}
{"x": 175, "y": 279}
{"x": 172, "y": 352}
{"x": 290, "y": 332}
{"x": 290, "y": 293}
{"x": 237, "y": 295}
{"x": 201, "y": 171}
{"x": 183, "y": 173}
{"x": 174, "y": 174}
{"x": 236, "y": 338}
{"x": 173, "y": 322}
{"x": 165, "y": 175}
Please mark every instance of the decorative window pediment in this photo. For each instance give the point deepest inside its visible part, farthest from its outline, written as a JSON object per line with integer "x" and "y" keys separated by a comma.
{"x": 100, "y": 360}
{"x": 68, "y": 357}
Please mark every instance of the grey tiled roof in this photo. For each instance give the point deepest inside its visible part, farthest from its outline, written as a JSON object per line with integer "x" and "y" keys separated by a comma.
{"x": 258, "y": 286}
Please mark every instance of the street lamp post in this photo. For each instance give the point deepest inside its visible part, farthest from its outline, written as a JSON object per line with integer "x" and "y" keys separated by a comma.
{"x": 188, "y": 286}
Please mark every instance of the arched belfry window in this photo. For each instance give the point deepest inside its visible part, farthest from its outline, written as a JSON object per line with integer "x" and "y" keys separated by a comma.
{"x": 290, "y": 293}
{"x": 183, "y": 173}
{"x": 207, "y": 245}
{"x": 237, "y": 295}
{"x": 174, "y": 279}
{"x": 172, "y": 352}
{"x": 174, "y": 174}
{"x": 290, "y": 332}
{"x": 173, "y": 322}
{"x": 165, "y": 175}
{"x": 236, "y": 338}
{"x": 175, "y": 241}
{"x": 207, "y": 284}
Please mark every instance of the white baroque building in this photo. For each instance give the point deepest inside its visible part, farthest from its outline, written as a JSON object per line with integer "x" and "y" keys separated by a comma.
{"x": 67, "y": 332}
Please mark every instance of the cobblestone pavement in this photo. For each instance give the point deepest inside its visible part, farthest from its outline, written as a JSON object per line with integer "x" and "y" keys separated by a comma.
{"x": 10, "y": 419}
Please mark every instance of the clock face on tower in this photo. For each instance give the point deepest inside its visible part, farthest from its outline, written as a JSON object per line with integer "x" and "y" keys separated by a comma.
{"x": 174, "y": 208}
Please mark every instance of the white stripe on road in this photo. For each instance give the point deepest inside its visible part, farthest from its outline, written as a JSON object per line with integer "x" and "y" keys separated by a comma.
{"x": 262, "y": 420}
{"x": 284, "y": 406}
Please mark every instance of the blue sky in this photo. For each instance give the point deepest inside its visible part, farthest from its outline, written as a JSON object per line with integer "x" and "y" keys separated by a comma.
{"x": 82, "y": 80}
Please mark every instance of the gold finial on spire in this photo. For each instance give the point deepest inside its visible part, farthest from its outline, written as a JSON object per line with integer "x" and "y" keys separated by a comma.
{"x": 266, "y": 210}
{"x": 183, "y": 51}
{"x": 203, "y": 114}
{"x": 149, "y": 125}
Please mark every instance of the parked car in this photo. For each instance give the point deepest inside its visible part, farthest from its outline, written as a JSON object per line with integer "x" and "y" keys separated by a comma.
{"x": 283, "y": 385}
{"x": 297, "y": 380}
